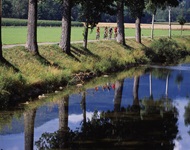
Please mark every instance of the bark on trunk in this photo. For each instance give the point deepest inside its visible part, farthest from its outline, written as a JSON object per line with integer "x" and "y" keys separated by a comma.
{"x": 29, "y": 118}
{"x": 1, "y": 53}
{"x": 169, "y": 22}
{"x": 31, "y": 43}
{"x": 181, "y": 29}
{"x": 152, "y": 28}
{"x": 85, "y": 36}
{"x": 138, "y": 29}
{"x": 66, "y": 27}
{"x": 120, "y": 23}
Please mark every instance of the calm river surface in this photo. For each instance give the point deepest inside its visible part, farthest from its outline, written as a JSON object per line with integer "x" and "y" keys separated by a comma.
{"x": 149, "y": 110}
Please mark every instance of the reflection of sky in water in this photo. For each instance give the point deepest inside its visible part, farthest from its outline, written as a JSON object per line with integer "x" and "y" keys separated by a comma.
{"x": 16, "y": 141}
{"x": 183, "y": 144}
{"x": 103, "y": 100}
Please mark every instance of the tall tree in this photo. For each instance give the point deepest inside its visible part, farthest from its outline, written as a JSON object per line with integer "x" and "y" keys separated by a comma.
{"x": 152, "y": 8}
{"x": 1, "y": 53}
{"x": 66, "y": 26}
{"x": 120, "y": 22}
{"x": 31, "y": 43}
{"x": 91, "y": 12}
{"x": 136, "y": 8}
{"x": 181, "y": 20}
{"x": 169, "y": 4}
{"x": 169, "y": 21}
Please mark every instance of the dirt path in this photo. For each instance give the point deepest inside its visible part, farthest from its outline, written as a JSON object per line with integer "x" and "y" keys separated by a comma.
{"x": 45, "y": 43}
{"x": 127, "y": 25}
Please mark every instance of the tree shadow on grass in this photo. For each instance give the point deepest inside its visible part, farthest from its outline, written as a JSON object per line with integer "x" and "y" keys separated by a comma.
{"x": 128, "y": 47}
{"x": 82, "y": 51}
{"x": 3, "y": 61}
{"x": 45, "y": 62}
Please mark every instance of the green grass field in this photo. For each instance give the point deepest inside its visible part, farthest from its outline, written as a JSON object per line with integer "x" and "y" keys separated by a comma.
{"x": 17, "y": 35}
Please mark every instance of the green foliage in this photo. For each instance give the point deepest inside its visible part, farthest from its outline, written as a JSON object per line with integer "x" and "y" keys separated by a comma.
{"x": 136, "y": 8}
{"x": 166, "y": 51}
{"x": 181, "y": 20}
{"x": 23, "y": 22}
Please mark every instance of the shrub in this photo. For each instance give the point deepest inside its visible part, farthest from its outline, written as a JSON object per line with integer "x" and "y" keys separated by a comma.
{"x": 166, "y": 51}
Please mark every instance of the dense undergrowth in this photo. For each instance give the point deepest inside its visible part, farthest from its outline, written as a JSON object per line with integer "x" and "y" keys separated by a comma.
{"x": 26, "y": 76}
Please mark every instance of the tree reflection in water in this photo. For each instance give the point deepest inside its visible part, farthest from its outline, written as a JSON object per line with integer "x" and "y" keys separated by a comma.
{"x": 152, "y": 126}
{"x": 187, "y": 116}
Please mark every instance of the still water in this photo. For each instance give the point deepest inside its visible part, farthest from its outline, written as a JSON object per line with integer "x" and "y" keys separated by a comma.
{"x": 149, "y": 110}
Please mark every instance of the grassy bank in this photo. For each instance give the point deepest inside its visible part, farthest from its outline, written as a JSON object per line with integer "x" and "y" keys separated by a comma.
{"x": 24, "y": 75}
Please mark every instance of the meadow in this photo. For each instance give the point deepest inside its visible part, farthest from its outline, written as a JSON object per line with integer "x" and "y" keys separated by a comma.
{"x": 17, "y": 35}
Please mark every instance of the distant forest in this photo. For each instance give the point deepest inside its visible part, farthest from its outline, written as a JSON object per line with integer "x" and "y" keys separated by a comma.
{"x": 52, "y": 10}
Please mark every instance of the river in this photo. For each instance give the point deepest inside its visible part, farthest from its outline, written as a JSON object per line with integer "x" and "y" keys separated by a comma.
{"x": 144, "y": 110}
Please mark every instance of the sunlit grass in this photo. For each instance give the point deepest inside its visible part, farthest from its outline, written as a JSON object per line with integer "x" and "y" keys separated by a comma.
{"x": 55, "y": 68}
{"x": 17, "y": 35}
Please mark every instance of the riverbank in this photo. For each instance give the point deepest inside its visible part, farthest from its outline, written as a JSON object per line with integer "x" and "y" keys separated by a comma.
{"x": 24, "y": 76}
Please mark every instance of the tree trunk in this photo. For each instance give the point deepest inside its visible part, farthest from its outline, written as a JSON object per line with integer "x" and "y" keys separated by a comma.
{"x": 181, "y": 29}
{"x": 152, "y": 28}
{"x": 66, "y": 27}
{"x": 1, "y": 53}
{"x": 138, "y": 29}
{"x": 120, "y": 22}
{"x": 85, "y": 36}
{"x": 31, "y": 44}
{"x": 169, "y": 16}
{"x": 118, "y": 95}
{"x": 63, "y": 121}
{"x": 29, "y": 119}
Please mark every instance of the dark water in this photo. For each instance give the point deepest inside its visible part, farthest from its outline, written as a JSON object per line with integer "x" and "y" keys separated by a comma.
{"x": 144, "y": 111}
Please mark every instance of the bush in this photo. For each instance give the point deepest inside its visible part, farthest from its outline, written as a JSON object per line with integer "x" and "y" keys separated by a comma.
{"x": 166, "y": 51}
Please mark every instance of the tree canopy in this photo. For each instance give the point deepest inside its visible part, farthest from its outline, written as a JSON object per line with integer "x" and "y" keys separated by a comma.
{"x": 51, "y": 10}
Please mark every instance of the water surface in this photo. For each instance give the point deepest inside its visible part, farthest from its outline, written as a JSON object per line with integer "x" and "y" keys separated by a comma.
{"x": 145, "y": 111}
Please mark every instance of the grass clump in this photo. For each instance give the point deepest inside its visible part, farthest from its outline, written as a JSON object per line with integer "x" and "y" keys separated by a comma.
{"x": 166, "y": 51}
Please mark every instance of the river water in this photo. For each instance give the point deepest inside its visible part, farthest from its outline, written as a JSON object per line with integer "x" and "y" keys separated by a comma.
{"x": 146, "y": 109}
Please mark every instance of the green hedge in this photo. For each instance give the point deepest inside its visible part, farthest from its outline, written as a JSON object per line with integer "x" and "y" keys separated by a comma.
{"x": 23, "y": 22}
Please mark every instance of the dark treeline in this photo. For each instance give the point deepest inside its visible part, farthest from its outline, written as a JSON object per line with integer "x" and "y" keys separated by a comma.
{"x": 52, "y": 10}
